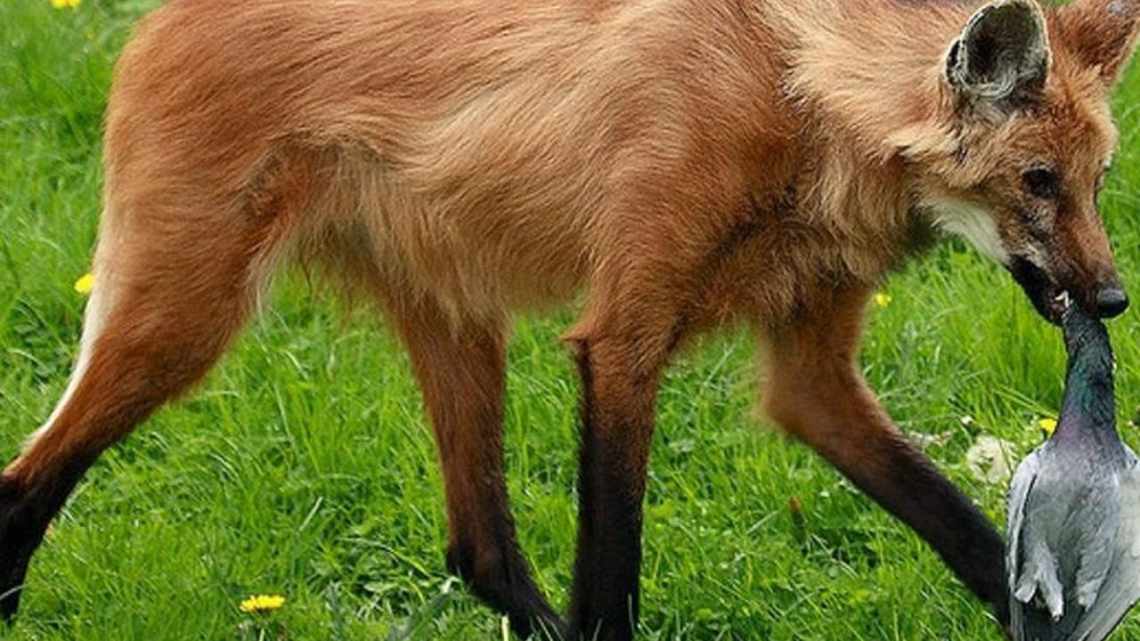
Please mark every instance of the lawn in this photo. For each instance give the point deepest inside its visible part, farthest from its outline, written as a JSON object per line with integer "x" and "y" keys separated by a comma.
{"x": 304, "y": 467}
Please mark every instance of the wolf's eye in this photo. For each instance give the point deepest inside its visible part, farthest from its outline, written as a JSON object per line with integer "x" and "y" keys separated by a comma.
{"x": 1042, "y": 183}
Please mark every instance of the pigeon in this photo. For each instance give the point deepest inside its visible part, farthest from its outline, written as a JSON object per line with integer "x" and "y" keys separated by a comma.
{"x": 1074, "y": 508}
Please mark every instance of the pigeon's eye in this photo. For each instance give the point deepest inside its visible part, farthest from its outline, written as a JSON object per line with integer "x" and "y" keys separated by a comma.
{"x": 1042, "y": 183}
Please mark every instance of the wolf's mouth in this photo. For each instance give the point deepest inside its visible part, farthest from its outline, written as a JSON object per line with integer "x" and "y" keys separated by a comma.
{"x": 1048, "y": 298}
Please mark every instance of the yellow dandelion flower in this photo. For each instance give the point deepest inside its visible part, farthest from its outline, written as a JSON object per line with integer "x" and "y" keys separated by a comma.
{"x": 259, "y": 603}
{"x": 85, "y": 284}
{"x": 882, "y": 300}
{"x": 65, "y": 4}
{"x": 1047, "y": 425}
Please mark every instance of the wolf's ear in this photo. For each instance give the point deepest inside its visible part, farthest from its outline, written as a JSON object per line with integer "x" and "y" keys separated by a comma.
{"x": 1002, "y": 56}
{"x": 1101, "y": 33}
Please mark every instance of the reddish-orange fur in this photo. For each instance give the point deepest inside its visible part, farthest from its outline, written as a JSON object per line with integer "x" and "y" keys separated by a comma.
{"x": 685, "y": 163}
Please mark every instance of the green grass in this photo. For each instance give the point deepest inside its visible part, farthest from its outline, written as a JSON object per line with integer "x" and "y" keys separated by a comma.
{"x": 304, "y": 465}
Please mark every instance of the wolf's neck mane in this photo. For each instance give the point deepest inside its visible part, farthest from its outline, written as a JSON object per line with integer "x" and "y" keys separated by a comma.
{"x": 871, "y": 68}
{"x": 867, "y": 76}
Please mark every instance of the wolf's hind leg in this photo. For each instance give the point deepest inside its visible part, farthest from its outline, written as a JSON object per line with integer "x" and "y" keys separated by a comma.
{"x": 169, "y": 294}
{"x": 461, "y": 371}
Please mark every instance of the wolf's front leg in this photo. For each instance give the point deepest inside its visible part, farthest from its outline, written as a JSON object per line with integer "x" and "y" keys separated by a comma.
{"x": 816, "y": 392}
{"x": 617, "y": 426}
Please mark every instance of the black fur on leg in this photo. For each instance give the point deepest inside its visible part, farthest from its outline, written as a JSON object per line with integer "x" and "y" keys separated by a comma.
{"x": 918, "y": 494}
{"x": 19, "y": 537}
{"x": 606, "y": 573}
{"x": 25, "y": 512}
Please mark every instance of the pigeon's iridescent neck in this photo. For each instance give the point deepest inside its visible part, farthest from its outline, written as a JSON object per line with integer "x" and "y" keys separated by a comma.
{"x": 1089, "y": 404}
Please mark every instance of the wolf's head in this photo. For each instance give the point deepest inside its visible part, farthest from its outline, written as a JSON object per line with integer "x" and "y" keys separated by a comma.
{"x": 1027, "y": 140}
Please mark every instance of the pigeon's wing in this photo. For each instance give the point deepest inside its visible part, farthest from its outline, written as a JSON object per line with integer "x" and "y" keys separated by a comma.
{"x": 1097, "y": 524}
{"x": 1121, "y": 588}
{"x": 1015, "y": 520}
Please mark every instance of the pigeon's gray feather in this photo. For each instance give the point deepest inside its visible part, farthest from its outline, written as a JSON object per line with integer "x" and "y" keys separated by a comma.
{"x": 1097, "y": 556}
{"x": 1019, "y": 490}
{"x": 1018, "y": 493}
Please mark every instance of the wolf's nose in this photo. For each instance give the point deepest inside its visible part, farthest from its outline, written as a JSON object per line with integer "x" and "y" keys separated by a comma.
{"x": 1111, "y": 302}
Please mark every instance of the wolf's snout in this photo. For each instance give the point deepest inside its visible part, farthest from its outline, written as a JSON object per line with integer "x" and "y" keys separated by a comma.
{"x": 1111, "y": 301}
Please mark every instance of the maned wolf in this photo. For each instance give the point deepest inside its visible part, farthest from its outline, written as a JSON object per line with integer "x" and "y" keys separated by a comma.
{"x": 688, "y": 164}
